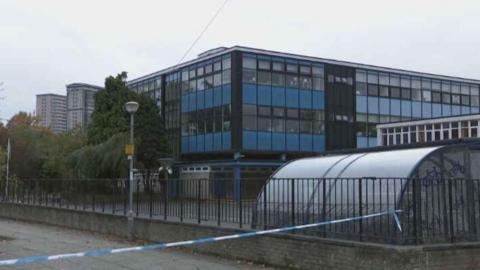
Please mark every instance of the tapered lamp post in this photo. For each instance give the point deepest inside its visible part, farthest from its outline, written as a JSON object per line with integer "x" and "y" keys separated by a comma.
{"x": 131, "y": 107}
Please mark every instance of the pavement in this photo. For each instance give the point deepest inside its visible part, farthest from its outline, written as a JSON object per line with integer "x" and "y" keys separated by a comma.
{"x": 21, "y": 239}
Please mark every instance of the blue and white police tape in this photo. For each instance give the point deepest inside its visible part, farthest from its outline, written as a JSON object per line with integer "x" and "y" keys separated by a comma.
{"x": 94, "y": 253}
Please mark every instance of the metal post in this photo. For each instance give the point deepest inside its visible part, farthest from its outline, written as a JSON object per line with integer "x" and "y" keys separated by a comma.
{"x": 8, "y": 168}
{"x": 130, "y": 185}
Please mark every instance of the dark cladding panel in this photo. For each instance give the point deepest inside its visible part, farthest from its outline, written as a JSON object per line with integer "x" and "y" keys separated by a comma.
{"x": 339, "y": 107}
{"x": 236, "y": 101}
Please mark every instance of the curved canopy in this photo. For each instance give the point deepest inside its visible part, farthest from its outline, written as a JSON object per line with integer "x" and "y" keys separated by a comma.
{"x": 374, "y": 164}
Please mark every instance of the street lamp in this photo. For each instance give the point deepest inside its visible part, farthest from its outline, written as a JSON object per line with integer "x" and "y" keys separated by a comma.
{"x": 131, "y": 107}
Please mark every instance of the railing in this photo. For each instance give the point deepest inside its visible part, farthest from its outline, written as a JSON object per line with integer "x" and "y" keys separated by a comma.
{"x": 433, "y": 210}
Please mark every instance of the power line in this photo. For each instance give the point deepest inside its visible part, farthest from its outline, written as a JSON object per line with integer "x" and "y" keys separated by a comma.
{"x": 203, "y": 31}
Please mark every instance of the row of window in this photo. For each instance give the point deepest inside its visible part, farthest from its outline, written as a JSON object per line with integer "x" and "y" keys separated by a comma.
{"x": 207, "y": 99}
{"x": 429, "y": 132}
{"x": 289, "y": 97}
{"x": 363, "y": 89}
{"x": 211, "y": 142}
{"x": 206, "y": 121}
{"x": 283, "y": 142}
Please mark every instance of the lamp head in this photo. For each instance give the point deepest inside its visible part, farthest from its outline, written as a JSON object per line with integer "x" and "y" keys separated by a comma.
{"x": 131, "y": 107}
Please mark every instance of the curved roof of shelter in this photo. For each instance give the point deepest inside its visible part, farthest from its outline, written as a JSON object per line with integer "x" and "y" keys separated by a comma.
{"x": 384, "y": 164}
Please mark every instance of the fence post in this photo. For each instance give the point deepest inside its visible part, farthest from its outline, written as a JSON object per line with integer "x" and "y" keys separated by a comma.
{"x": 450, "y": 199}
{"x": 293, "y": 201}
{"x": 181, "y": 196}
{"x": 199, "y": 195}
{"x": 217, "y": 195}
{"x": 138, "y": 195}
{"x": 150, "y": 188}
{"x": 265, "y": 207}
{"x": 324, "y": 205}
{"x": 360, "y": 208}
{"x": 240, "y": 204}
{"x": 165, "y": 199}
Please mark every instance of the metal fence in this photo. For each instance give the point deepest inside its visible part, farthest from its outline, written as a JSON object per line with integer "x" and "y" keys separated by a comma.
{"x": 433, "y": 210}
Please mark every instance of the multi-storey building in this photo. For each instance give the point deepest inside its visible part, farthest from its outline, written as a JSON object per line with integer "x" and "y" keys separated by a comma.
{"x": 52, "y": 112}
{"x": 245, "y": 108}
{"x": 80, "y": 104}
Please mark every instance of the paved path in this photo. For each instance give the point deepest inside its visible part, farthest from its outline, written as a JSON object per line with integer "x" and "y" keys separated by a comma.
{"x": 19, "y": 239}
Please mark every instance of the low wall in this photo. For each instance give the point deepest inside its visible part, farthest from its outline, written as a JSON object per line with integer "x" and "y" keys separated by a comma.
{"x": 291, "y": 251}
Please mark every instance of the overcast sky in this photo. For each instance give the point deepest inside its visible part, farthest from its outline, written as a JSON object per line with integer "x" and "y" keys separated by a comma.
{"x": 47, "y": 44}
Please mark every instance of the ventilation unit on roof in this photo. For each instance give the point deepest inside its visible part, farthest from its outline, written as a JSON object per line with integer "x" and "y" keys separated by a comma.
{"x": 212, "y": 51}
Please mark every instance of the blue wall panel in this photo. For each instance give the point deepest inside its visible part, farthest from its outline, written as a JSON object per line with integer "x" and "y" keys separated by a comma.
{"x": 406, "y": 108}
{"x": 455, "y": 110}
{"x": 395, "y": 107}
{"x": 362, "y": 142}
{"x": 427, "y": 110}
{"x": 217, "y": 96}
{"x": 446, "y": 110}
{"x": 436, "y": 110}
{"x": 250, "y": 140}
{"x": 292, "y": 142}
{"x": 474, "y": 109}
{"x": 185, "y": 103}
{"x": 465, "y": 110}
{"x": 226, "y": 140}
{"x": 416, "y": 109}
{"x": 200, "y": 100}
{"x": 192, "y": 143}
{"x": 278, "y": 96}
{"x": 384, "y": 106}
{"x": 217, "y": 141}
{"x": 373, "y": 105}
{"x": 305, "y": 99}
{"x": 361, "y": 104}
{"x": 291, "y": 95}
{"x": 192, "y": 102}
{"x": 372, "y": 141}
{"x": 208, "y": 142}
{"x": 306, "y": 142}
{"x": 278, "y": 141}
{"x": 209, "y": 98}
{"x": 226, "y": 94}
{"x": 249, "y": 93}
{"x": 318, "y": 100}
{"x": 185, "y": 145}
{"x": 264, "y": 95}
{"x": 201, "y": 143}
{"x": 318, "y": 143}
{"x": 264, "y": 141}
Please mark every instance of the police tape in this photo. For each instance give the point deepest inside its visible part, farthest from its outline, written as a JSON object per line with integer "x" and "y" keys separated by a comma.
{"x": 94, "y": 253}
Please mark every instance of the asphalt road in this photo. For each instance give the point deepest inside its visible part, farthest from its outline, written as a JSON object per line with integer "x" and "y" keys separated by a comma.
{"x": 20, "y": 239}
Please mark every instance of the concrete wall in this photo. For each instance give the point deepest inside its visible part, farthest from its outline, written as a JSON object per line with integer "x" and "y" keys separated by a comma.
{"x": 293, "y": 251}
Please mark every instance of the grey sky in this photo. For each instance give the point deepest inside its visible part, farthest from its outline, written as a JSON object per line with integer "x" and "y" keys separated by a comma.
{"x": 47, "y": 44}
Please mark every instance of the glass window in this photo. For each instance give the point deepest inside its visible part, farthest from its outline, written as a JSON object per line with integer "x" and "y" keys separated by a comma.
{"x": 217, "y": 79}
{"x": 264, "y": 124}
{"x": 264, "y": 110}
{"x": 226, "y": 63}
{"x": 193, "y": 85}
{"x": 249, "y": 122}
{"x": 394, "y": 92}
{"x": 200, "y": 84}
{"x": 465, "y": 100}
{"x": 426, "y": 95}
{"x": 416, "y": 95}
{"x": 185, "y": 75}
{"x": 361, "y": 76}
{"x": 436, "y": 97}
{"x": 372, "y": 77}
{"x": 292, "y": 81}
{"x": 264, "y": 64}
{"x": 192, "y": 74}
{"x": 474, "y": 101}
{"x": 278, "y": 112}
{"x": 292, "y": 113}
{"x": 474, "y": 90}
{"x": 292, "y": 125}
{"x": 305, "y": 82}
{"x": 373, "y": 90}
{"x": 305, "y": 70}
{"x": 384, "y": 79}
{"x": 292, "y": 68}
{"x": 416, "y": 83}
{"x": 217, "y": 66}
{"x": 277, "y": 66}
{"x": 426, "y": 84}
{"x": 446, "y": 98}
{"x": 455, "y": 88}
{"x": 361, "y": 89}
{"x": 405, "y": 82}
{"x": 445, "y": 86}
{"x": 278, "y": 79}
{"x": 384, "y": 91}
{"x": 208, "y": 82}
{"x": 317, "y": 71}
{"x": 318, "y": 127}
{"x": 306, "y": 126}
{"x": 249, "y": 109}
{"x": 250, "y": 63}
{"x": 455, "y": 99}
{"x": 249, "y": 76}
{"x": 394, "y": 80}
{"x": 199, "y": 71}
{"x": 208, "y": 69}
{"x": 465, "y": 89}
{"x": 278, "y": 125}
{"x": 406, "y": 93}
{"x": 306, "y": 114}
{"x": 318, "y": 83}
{"x": 264, "y": 77}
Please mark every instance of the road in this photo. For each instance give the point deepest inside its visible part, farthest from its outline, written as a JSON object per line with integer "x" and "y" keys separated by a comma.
{"x": 20, "y": 239}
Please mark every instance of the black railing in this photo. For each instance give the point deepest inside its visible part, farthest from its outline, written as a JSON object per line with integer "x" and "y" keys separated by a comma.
{"x": 433, "y": 210}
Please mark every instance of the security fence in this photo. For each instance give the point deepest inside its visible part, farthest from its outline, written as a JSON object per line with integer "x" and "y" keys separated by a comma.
{"x": 433, "y": 210}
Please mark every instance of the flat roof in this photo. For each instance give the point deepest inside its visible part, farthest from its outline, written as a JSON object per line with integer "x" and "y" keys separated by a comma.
{"x": 222, "y": 50}
{"x": 51, "y": 94}
{"x": 84, "y": 85}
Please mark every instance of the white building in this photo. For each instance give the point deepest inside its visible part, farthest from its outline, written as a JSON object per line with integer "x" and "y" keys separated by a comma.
{"x": 80, "y": 104}
{"x": 429, "y": 130}
{"x": 52, "y": 112}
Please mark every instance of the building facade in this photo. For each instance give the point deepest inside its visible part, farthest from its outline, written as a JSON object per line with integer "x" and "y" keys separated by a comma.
{"x": 80, "y": 104}
{"x": 428, "y": 130}
{"x": 242, "y": 105}
{"x": 52, "y": 112}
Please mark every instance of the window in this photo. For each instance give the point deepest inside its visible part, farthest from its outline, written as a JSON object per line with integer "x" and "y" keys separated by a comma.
{"x": 208, "y": 69}
{"x": 250, "y": 63}
{"x": 306, "y": 126}
{"x": 200, "y": 71}
{"x": 455, "y": 88}
{"x": 318, "y": 127}
{"x": 226, "y": 77}
{"x": 394, "y": 92}
{"x": 217, "y": 79}
{"x": 226, "y": 63}
{"x": 192, "y": 74}
{"x": 217, "y": 66}
{"x": 278, "y": 79}
{"x": 249, "y": 109}
{"x": 292, "y": 126}
{"x": 446, "y": 98}
{"x": 436, "y": 97}
{"x": 264, "y": 124}
{"x": 264, "y": 111}
{"x": 406, "y": 93}
{"x": 394, "y": 80}
{"x": 465, "y": 100}
{"x": 405, "y": 82}
{"x": 292, "y": 113}
{"x": 384, "y": 91}
{"x": 383, "y": 79}
{"x": 278, "y": 112}
{"x": 361, "y": 89}
{"x": 305, "y": 82}
{"x": 416, "y": 84}
{"x": 318, "y": 83}
{"x": 249, "y": 122}
{"x": 474, "y": 101}
{"x": 292, "y": 81}
{"x": 264, "y": 77}
{"x": 306, "y": 114}
{"x": 249, "y": 76}
{"x": 317, "y": 71}
{"x": 208, "y": 82}
{"x": 372, "y": 90}
{"x": 292, "y": 68}
{"x": 305, "y": 70}
{"x": 264, "y": 64}
{"x": 455, "y": 99}
{"x": 200, "y": 84}
{"x": 277, "y": 66}
{"x": 361, "y": 76}
{"x": 426, "y": 96}
{"x": 416, "y": 95}
{"x": 278, "y": 125}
